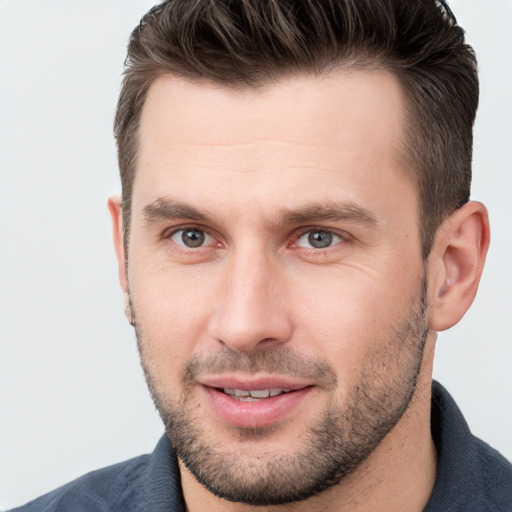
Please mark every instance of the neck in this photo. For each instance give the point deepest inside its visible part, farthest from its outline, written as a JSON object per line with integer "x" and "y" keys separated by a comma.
{"x": 398, "y": 476}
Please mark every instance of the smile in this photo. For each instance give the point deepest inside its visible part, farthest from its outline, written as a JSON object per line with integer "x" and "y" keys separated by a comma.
{"x": 255, "y": 406}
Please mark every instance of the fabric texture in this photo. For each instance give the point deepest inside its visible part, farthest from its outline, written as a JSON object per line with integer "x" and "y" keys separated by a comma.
{"x": 471, "y": 476}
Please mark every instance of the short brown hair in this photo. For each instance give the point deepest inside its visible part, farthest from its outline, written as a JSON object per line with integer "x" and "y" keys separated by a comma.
{"x": 249, "y": 43}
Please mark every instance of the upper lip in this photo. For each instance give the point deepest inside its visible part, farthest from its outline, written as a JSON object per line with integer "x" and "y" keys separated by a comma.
{"x": 252, "y": 382}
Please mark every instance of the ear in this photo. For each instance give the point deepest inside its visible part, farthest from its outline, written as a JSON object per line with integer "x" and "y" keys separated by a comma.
{"x": 116, "y": 215}
{"x": 456, "y": 264}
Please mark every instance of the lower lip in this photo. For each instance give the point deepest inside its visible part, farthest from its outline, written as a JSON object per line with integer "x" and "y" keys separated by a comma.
{"x": 262, "y": 413}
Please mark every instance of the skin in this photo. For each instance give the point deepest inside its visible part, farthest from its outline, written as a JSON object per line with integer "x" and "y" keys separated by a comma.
{"x": 244, "y": 159}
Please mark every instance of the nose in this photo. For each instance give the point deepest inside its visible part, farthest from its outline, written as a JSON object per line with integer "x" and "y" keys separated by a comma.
{"x": 251, "y": 312}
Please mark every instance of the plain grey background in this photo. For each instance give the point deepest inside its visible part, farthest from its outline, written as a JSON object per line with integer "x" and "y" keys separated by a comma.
{"x": 72, "y": 395}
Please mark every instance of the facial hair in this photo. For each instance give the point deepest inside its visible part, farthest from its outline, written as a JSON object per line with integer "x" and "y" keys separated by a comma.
{"x": 343, "y": 436}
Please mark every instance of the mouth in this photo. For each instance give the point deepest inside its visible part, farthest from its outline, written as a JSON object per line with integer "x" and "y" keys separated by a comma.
{"x": 257, "y": 404}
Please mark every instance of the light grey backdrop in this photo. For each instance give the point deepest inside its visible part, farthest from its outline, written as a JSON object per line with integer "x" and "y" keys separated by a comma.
{"x": 72, "y": 396}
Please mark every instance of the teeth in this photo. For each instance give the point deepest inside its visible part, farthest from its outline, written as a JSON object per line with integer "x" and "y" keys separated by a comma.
{"x": 255, "y": 394}
{"x": 278, "y": 391}
{"x": 260, "y": 393}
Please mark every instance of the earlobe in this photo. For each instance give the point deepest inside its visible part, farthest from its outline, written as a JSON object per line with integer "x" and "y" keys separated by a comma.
{"x": 458, "y": 257}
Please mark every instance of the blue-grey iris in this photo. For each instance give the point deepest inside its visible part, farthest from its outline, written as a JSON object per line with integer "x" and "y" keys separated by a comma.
{"x": 320, "y": 239}
{"x": 192, "y": 237}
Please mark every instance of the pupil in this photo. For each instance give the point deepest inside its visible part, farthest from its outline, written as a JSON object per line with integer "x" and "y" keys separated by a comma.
{"x": 192, "y": 238}
{"x": 320, "y": 239}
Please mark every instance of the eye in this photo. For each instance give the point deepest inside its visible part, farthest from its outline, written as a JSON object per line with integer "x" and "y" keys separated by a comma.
{"x": 318, "y": 239}
{"x": 191, "y": 238}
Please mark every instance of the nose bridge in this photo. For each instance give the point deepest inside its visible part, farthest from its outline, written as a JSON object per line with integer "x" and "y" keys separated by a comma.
{"x": 250, "y": 310}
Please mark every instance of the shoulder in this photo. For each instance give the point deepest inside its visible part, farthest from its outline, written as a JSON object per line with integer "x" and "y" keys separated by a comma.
{"x": 106, "y": 489}
{"x": 496, "y": 474}
{"x": 148, "y": 482}
{"x": 470, "y": 474}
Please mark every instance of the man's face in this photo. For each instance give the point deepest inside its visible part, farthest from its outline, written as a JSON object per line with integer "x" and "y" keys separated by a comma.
{"x": 275, "y": 277}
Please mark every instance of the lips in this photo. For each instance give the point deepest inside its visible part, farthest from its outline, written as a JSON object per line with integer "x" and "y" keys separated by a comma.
{"x": 254, "y": 404}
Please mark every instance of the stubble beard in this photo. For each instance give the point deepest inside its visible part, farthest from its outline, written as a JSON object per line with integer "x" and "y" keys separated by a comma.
{"x": 336, "y": 444}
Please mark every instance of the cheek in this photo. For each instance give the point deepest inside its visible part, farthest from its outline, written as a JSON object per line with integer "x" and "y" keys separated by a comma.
{"x": 354, "y": 317}
{"x": 172, "y": 310}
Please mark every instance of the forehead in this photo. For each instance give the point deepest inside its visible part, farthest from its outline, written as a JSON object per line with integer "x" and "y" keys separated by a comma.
{"x": 299, "y": 109}
{"x": 341, "y": 132}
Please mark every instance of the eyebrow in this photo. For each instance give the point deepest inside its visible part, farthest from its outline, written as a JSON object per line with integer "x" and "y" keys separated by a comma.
{"x": 167, "y": 209}
{"x": 333, "y": 211}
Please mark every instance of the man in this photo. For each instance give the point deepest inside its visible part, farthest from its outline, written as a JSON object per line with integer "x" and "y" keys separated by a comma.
{"x": 295, "y": 227}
